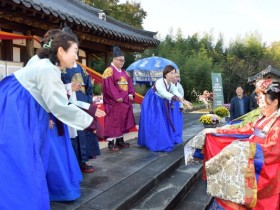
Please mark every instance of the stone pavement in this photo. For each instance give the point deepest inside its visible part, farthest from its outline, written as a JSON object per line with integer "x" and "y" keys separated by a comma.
{"x": 112, "y": 168}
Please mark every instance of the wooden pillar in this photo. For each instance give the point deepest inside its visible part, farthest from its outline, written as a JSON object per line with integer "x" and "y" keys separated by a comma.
{"x": 29, "y": 46}
{"x": 88, "y": 60}
{"x": 107, "y": 59}
{"x": 8, "y": 50}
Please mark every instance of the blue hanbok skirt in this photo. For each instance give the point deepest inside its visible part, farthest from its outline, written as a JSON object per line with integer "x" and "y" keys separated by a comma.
{"x": 24, "y": 149}
{"x": 63, "y": 173}
{"x": 177, "y": 117}
{"x": 155, "y": 125}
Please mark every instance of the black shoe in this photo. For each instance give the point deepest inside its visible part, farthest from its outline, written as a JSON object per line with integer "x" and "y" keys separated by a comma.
{"x": 120, "y": 143}
{"x": 112, "y": 147}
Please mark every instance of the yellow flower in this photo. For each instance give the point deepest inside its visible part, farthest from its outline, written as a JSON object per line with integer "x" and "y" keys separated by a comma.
{"x": 221, "y": 111}
{"x": 209, "y": 119}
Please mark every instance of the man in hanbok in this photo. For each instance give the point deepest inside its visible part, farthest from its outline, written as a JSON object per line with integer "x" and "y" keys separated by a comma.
{"x": 118, "y": 93}
{"x": 86, "y": 144}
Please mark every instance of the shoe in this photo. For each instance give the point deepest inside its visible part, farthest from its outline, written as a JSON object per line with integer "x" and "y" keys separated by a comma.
{"x": 86, "y": 168}
{"x": 112, "y": 147}
{"x": 91, "y": 157}
{"x": 121, "y": 144}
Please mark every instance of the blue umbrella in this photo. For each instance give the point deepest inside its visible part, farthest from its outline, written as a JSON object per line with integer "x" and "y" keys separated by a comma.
{"x": 148, "y": 70}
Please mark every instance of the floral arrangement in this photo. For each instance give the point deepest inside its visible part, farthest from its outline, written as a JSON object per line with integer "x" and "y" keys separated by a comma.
{"x": 209, "y": 119}
{"x": 265, "y": 85}
{"x": 221, "y": 111}
{"x": 206, "y": 98}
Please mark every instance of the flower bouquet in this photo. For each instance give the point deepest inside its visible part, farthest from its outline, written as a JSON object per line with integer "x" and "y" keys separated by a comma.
{"x": 210, "y": 120}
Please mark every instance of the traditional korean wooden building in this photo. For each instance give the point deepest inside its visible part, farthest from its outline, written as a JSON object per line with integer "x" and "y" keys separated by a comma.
{"x": 268, "y": 73}
{"x": 97, "y": 33}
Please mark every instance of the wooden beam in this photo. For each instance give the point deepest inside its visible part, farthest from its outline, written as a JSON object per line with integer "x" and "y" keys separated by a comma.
{"x": 17, "y": 17}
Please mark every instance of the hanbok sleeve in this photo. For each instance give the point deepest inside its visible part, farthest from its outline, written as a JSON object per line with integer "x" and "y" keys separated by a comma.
{"x": 271, "y": 146}
{"x": 174, "y": 90}
{"x": 161, "y": 90}
{"x": 68, "y": 88}
{"x": 54, "y": 95}
{"x": 131, "y": 90}
{"x": 180, "y": 89}
{"x": 73, "y": 98}
{"x": 246, "y": 129}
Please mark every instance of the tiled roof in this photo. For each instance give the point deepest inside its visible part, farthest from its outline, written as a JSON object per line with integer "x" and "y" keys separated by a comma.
{"x": 82, "y": 14}
{"x": 269, "y": 69}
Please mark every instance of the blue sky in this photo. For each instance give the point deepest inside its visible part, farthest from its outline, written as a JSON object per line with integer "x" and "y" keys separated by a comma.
{"x": 231, "y": 18}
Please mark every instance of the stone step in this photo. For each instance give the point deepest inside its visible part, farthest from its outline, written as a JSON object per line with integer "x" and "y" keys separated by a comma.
{"x": 129, "y": 190}
{"x": 197, "y": 198}
{"x": 172, "y": 189}
{"x": 122, "y": 178}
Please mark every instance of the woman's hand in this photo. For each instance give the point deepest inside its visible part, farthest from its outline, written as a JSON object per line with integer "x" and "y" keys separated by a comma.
{"x": 120, "y": 100}
{"x": 51, "y": 123}
{"x": 186, "y": 103}
{"x": 209, "y": 130}
{"x": 76, "y": 86}
{"x": 99, "y": 112}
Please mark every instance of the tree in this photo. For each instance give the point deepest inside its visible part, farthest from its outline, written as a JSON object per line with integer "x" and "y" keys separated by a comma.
{"x": 273, "y": 55}
{"x": 130, "y": 13}
{"x": 245, "y": 57}
{"x": 196, "y": 74}
{"x": 197, "y": 56}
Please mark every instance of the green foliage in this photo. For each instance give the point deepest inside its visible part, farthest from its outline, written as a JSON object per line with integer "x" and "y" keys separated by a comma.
{"x": 97, "y": 89}
{"x": 273, "y": 52}
{"x": 141, "y": 89}
{"x": 245, "y": 57}
{"x": 129, "y": 12}
{"x": 196, "y": 73}
{"x": 98, "y": 65}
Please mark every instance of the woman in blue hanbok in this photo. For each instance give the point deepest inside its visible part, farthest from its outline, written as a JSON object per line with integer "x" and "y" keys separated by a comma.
{"x": 156, "y": 127}
{"x": 27, "y": 98}
{"x": 62, "y": 170}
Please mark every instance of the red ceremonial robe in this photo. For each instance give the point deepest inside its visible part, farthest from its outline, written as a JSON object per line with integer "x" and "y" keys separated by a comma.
{"x": 269, "y": 178}
{"x": 119, "y": 116}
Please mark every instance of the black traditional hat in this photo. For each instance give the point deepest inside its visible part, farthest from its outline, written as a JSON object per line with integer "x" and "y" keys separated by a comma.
{"x": 117, "y": 52}
{"x": 68, "y": 30}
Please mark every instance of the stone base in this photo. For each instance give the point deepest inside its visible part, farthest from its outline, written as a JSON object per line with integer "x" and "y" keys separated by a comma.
{"x": 211, "y": 126}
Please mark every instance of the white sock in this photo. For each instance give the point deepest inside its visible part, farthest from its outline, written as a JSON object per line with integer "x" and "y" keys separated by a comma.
{"x": 110, "y": 139}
